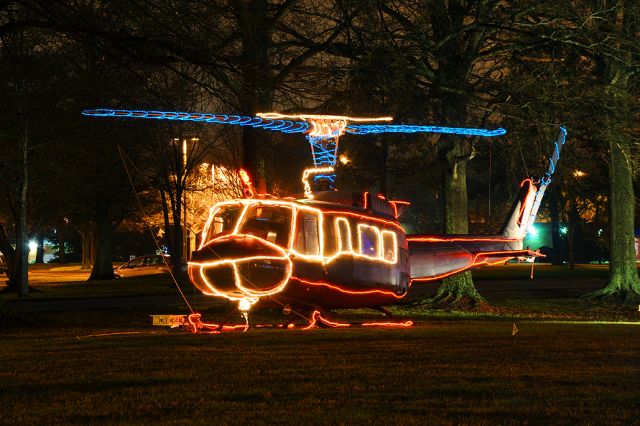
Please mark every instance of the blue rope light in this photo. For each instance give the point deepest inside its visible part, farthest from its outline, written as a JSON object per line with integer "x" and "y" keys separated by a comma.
{"x": 284, "y": 126}
{"x": 287, "y": 126}
{"x": 324, "y": 153}
{"x": 545, "y": 180}
{"x": 555, "y": 157}
{"x": 365, "y": 129}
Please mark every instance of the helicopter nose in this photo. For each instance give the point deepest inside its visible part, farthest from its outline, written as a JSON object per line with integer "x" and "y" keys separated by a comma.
{"x": 239, "y": 266}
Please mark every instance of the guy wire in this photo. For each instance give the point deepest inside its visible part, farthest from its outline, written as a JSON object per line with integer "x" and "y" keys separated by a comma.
{"x": 144, "y": 214}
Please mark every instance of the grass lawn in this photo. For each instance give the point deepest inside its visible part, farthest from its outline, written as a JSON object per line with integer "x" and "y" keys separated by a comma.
{"x": 439, "y": 372}
{"x": 111, "y": 366}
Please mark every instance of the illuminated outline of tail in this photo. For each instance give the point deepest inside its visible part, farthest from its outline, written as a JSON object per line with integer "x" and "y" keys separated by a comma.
{"x": 524, "y": 211}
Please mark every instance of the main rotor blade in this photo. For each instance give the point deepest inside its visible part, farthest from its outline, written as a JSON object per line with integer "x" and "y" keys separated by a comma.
{"x": 285, "y": 126}
{"x": 365, "y": 129}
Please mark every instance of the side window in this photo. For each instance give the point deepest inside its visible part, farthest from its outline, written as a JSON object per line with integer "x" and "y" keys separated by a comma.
{"x": 343, "y": 232}
{"x": 389, "y": 246}
{"x": 307, "y": 235}
{"x": 136, "y": 263}
{"x": 369, "y": 237}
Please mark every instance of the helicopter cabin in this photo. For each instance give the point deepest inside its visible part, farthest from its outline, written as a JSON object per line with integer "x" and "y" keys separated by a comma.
{"x": 352, "y": 240}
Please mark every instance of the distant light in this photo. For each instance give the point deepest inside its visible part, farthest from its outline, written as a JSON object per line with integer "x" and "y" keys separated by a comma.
{"x": 532, "y": 230}
{"x": 344, "y": 159}
{"x": 564, "y": 230}
{"x": 600, "y": 231}
{"x": 579, "y": 173}
{"x": 33, "y": 246}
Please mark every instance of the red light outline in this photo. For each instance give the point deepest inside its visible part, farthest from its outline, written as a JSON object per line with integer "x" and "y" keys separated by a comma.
{"x": 247, "y": 183}
{"x": 525, "y": 201}
{"x": 351, "y": 292}
{"x": 197, "y": 325}
{"x": 317, "y": 316}
{"x": 395, "y": 207}
{"x": 470, "y": 266}
{"x": 365, "y": 216}
{"x": 407, "y": 323}
{"x": 496, "y": 239}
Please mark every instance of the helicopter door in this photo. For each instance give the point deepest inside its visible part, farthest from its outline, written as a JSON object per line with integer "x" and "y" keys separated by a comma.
{"x": 340, "y": 269}
{"x": 306, "y": 245}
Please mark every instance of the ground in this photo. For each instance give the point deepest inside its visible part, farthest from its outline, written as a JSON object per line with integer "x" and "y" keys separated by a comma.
{"x": 569, "y": 361}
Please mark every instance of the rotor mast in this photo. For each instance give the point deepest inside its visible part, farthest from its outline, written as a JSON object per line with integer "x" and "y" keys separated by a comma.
{"x": 324, "y": 136}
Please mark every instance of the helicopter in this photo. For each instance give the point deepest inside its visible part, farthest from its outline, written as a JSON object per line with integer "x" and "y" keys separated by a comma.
{"x": 332, "y": 248}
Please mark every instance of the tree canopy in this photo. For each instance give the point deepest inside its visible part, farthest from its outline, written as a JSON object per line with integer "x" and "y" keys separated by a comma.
{"x": 466, "y": 63}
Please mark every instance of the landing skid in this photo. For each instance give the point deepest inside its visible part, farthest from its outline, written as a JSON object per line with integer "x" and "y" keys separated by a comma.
{"x": 316, "y": 316}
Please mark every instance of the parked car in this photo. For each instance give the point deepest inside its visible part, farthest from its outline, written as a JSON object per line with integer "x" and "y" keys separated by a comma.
{"x": 143, "y": 265}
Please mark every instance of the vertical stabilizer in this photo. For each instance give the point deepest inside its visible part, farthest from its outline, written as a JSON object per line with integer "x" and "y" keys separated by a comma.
{"x": 515, "y": 226}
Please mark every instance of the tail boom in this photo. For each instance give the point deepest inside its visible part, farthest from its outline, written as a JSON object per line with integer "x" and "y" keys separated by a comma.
{"x": 433, "y": 258}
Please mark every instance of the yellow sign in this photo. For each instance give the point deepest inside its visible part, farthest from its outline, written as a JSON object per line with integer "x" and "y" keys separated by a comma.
{"x": 169, "y": 320}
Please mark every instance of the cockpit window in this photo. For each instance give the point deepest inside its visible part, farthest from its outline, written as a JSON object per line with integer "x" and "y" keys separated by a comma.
{"x": 271, "y": 223}
{"x": 224, "y": 220}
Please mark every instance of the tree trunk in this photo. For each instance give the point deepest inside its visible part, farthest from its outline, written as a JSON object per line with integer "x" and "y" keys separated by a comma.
{"x": 103, "y": 265}
{"x": 574, "y": 218}
{"x": 9, "y": 256}
{"x": 177, "y": 240}
{"x": 60, "y": 234}
{"x": 457, "y": 289}
{"x": 624, "y": 283}
{"x": 173, "y": 231}
{"x": 554, "y": 213}
{"x": 87, "y": 248}
{"x": 382, "y": 168}
{"x": 257, "y": 94}
{"x": 40, "y": 249}
{"x": 22, "y": 248}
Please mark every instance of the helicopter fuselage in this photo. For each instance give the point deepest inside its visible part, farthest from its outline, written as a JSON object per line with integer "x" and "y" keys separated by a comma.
{"x": 339, "y": 250}
{"x": 301, "y": 252}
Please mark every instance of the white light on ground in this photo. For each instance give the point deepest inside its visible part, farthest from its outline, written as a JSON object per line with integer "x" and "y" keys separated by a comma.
{"x": 531, "y": 230}
{"x": 245, "y": 304}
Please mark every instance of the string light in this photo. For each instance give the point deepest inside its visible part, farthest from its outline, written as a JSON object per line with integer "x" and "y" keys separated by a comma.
{"x": 248, "y": 189}
{"x": 323, "y": 131}
{"x": 359, "y": 129}
{"x": 317, "y": 319}
{"x": 335, "y": 287}
{"x": 546, "y": 178}
{"x": 374, "y": 237}
{"x": 386, "y": 248}
{"x": 196, "y": 325}
{"x": 285, "y": 126}
{"x": 504, "y": 255}
{"x": 312, "y": 117}
{"x": 312, "y": 171}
